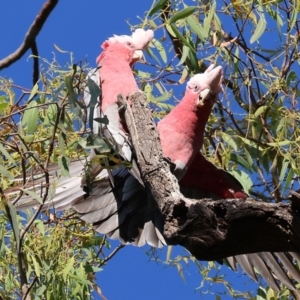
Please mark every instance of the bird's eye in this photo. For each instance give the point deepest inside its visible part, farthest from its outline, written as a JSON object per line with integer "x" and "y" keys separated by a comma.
{"x": 129, "y": 44}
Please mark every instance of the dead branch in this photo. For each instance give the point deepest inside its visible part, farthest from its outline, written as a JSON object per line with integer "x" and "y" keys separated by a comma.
{"x": 210, "y": 230}
{"x": 30, "y": 37}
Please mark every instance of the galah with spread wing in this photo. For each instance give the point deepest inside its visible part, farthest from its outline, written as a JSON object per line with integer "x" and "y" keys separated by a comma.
{"x": 128, "y": 211}
{"x": 114, "y": 76}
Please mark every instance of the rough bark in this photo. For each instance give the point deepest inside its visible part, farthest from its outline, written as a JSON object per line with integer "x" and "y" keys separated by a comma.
{"x": 210, "y": 230}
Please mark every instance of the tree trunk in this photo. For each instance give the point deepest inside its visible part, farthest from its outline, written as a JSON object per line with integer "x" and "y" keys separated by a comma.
{"x": 210, "y": 230}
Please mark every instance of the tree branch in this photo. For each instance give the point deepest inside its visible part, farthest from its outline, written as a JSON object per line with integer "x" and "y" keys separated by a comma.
{"x": 210, "y": 230}
{"x": 33, "y": 31}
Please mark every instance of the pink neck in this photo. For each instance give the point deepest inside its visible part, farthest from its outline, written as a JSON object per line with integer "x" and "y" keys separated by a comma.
{"x": 115, "y": 74}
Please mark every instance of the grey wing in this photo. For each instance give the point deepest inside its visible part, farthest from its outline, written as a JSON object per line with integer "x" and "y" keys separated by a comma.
{"x": 273, "y": 267}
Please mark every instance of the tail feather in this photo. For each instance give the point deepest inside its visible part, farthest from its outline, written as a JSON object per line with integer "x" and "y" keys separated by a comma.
{"x": 289, "y": 265}
{"x": 259, "y": 264}
{"x": 269, "y": 259}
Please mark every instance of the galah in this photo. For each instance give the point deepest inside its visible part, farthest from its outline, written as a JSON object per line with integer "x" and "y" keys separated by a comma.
{"x": 128, "y": 211}
{"x": 181, "y": 131}
{"x": 114, "y": 76}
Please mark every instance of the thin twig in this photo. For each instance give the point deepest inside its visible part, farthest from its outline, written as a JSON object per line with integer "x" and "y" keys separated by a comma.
{"x": 107, "y": 258}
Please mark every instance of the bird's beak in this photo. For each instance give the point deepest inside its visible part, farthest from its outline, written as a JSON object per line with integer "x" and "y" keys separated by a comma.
{"x": 203, "y": 97}
{"x": 137, "y": 55}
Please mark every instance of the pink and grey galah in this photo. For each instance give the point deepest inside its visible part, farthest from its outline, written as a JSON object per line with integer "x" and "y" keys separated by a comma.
{"x": 124, "y": 209}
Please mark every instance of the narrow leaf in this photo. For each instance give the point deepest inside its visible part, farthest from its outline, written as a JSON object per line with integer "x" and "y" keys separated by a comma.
{"x": 63, "y": 163}
{"x": 197, "y": 28}
{"x": 6, "y": 154}
{"x": 259, "y": 30}
{"x": 33, "y": 91}
{"x": 181, "y": 37}
{"x": 33, "y": 195}
{"x": 158, "y": 45}
{"x": 6, "y": 173}
{"x": 95, "y": 92}
{"x": 260, "y": 110}
{"x": 68, "y": 268}
{"x": 30, "y": 117}
{"x": 159, "y": 5}
{"x": 14, "y": 223}
{"x": 36, "y": 266}
{"x": 182, "y": 14}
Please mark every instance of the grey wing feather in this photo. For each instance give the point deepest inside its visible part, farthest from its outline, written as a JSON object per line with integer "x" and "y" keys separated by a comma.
{"x": 289, "y": 265}
{"x": 246, "y": 266}
{"x": 263, "y": 270}
{"x": 276, "y": 268}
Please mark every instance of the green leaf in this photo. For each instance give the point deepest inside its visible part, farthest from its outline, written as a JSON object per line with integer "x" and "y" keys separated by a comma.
{"x": 29, "y": 138}
{"x": 2, "y": 107}
{"x": 280, "y": 144}
{"x": 260, "y": 110}
{"x": 6, "y": 173}
{"x": 295, "y": 15}
{"x": 61, "y": 142}
{"x": 229, "y": 140}
{"x": 40, "y": 290}
{"x": 180, "y": 36}
{"x": 292, "y": 76}
{"x": 164, "y": 97}
{"x": 250, "y": 143}
{"x": 259, "y": 30}
{"x": 77, "y": 289}
{"x": 33, "y": 195}
{"x": 95, "y": 92}
{"x": 30, "y": 117}
{"x": 14, "y": 223}
{"x": 33, "y": 91}
{"x": 182, "y": 14}
{"x": 208, "y": 19}
{"x": 284, "y": 167}
{"x": 72, "y": 97}
{"x": 40, "y": 225}
{"x": 63, "y": 163}
{"x": 159, "y": 5}
{"x": 280, "y": 125}
{"x": 243, "y": 178}
{"x": 197, "y": 28}
{"x": 51, "y": 114}
{"x": 94, "y": 142}
{"x": 170, "y": 30}
{"x": 6, "y": 154}
{"x": 288, "y": 180}
{"x": 241, "y": 161}
{"x": 185, "y": 53}
{"x": 158, "y": 45}
{"x": 36, "y": 266}
{"x": 68, "y": 268}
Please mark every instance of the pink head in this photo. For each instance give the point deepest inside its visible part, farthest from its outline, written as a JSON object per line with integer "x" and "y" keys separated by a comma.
{"x": 133, "y": 44}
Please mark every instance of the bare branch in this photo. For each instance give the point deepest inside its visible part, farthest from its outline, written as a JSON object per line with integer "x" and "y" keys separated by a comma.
{"x": 210, "y": 230}
{"x": 111, "y": 255}
{"x": 33, "y": 31}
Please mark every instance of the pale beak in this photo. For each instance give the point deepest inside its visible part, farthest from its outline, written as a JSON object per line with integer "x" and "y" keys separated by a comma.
{"x": 137, "y": 55}
{"x": 204, "y": 96}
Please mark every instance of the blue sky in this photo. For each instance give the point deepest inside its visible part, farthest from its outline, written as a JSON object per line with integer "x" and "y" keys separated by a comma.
{"x": 81, "y": 27}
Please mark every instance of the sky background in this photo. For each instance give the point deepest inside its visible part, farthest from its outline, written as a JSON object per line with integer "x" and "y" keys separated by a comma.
{"x": 81, "y": 26}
